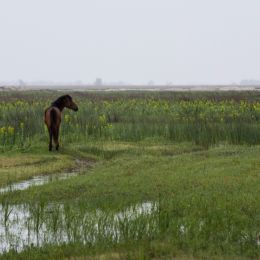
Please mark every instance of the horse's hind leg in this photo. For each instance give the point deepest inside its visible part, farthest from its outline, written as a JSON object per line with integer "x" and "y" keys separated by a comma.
{"x": 50, "y": 142}
{"x": 56, "y": 138}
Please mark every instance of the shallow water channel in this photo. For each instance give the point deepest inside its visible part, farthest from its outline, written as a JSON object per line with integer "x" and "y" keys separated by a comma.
{"x": 37, "y": 181}
{"x": 44, "y": 179}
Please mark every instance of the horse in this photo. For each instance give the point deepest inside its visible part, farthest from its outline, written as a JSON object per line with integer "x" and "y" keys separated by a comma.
{"x": 52, "y": 117}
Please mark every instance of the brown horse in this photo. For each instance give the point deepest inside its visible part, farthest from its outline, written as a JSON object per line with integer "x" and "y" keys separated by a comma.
{"x": 53, "y": 117}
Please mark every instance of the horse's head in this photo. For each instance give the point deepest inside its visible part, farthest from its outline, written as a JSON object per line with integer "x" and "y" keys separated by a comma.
{"x": 69, "y": 103}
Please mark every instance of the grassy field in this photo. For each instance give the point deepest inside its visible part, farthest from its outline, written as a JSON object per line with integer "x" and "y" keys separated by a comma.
{"x": 163, "y": 175}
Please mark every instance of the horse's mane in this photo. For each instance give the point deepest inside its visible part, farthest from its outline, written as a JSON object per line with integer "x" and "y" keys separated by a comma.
{"x": 59, "y": 102}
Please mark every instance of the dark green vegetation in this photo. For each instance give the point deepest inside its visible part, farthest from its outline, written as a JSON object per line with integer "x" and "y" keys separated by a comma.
{"x": 177, "y": 152}
{"x": 200, "y": 118}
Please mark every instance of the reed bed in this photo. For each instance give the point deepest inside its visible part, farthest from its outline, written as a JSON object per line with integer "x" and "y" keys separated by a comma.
{"x": 201, "y": 121}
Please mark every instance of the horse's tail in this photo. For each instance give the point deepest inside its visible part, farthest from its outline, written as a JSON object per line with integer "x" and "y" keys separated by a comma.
{"x": 53, "y": 120}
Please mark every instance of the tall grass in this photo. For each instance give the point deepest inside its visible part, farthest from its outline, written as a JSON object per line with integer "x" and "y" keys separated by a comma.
{"x": 203, "y": 122}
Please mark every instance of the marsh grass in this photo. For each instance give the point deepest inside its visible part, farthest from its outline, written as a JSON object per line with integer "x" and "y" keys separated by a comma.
{"x": 205, "y": 230}
{"x": 204, "y": 120}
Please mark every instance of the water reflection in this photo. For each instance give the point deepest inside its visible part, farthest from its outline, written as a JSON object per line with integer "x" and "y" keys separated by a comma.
{"x": 37, "y": 225}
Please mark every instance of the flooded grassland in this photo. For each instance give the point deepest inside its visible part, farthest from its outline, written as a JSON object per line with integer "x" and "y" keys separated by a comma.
{"x": 137, "y": 177}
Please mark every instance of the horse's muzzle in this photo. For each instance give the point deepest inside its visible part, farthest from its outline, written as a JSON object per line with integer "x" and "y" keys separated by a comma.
{"x": 76, "y": 109}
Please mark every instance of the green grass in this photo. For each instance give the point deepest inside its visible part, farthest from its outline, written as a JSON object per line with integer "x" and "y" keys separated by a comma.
{"x": 148, "y": 171}
{"x": 219, "y": 186}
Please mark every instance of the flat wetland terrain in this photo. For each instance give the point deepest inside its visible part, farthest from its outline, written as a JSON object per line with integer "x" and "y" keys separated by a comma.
{"x": 139, "y": 175}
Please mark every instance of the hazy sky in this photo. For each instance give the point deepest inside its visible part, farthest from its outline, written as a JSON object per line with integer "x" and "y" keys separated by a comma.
{"x": 178, "y": 41}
